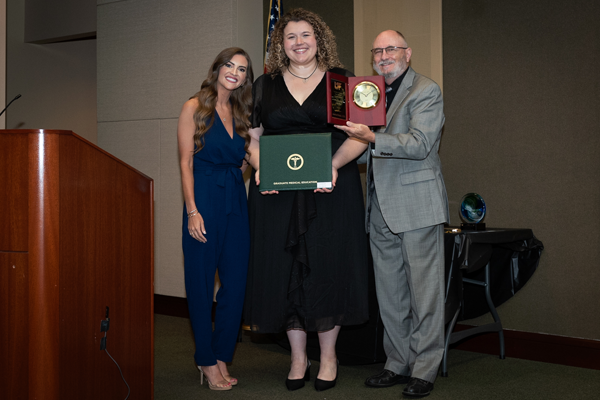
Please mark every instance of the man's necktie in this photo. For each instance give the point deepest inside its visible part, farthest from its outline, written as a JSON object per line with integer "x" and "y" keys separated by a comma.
{"x": 387, "y": 90}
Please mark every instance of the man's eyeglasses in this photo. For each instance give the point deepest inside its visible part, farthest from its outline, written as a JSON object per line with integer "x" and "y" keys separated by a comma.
{"x": 390, "y": 50}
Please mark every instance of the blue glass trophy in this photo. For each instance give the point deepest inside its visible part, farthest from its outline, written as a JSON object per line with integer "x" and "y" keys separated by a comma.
{"x": 472, "y": 212}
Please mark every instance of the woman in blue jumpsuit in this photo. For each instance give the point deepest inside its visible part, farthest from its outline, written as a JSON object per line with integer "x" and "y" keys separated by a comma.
{"x": 213, "y": 140}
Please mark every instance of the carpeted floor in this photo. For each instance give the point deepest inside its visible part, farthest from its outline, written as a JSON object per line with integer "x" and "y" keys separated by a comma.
{"x": 262, "y": 368}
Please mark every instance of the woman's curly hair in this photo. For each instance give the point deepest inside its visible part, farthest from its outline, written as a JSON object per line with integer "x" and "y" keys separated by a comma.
{"x": 327, "y": 56}
{"x": 241, "y": 99}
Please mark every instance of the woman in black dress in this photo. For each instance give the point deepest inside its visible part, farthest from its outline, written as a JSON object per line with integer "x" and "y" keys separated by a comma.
{"x": 308, "y": 254}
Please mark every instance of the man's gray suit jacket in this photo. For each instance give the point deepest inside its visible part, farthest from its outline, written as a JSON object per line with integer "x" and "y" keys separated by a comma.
{"x": 406, "y": 165}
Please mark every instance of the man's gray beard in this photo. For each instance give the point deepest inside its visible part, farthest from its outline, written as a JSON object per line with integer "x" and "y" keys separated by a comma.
{"x": 391, "y": 75}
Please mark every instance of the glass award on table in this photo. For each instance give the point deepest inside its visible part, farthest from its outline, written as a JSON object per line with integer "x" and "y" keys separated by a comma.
{"x": 472, "y": 212}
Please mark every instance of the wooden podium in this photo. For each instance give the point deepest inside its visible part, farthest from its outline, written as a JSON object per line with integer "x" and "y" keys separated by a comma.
{"x": 76, "y": 236}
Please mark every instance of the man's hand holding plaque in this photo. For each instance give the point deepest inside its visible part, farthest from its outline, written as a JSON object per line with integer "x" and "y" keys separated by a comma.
{"x": 358, "y": 99}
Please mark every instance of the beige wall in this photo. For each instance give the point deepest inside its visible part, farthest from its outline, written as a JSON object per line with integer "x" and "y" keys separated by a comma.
{"x": 57, "y": 81}
{"x": 522, "y": 127}
{"x": 45, "y": 21}
{"x": 420, "y": 21}
{"x": 152, "y": 56}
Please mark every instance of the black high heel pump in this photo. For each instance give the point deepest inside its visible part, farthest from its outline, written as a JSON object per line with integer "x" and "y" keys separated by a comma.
{"x": 295, "y": 384}
{"x": 321, "y": 385}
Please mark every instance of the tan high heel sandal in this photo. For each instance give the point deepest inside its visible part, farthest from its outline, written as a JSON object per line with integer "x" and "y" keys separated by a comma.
{"x": 231, "y": 380}
{"x": 210, "y": 385}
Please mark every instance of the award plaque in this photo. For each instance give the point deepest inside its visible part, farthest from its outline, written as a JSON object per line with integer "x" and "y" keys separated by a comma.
{"x": 359, "y": 99}
{"x": 338, "y": 99}
{"x": 295, "y": 162}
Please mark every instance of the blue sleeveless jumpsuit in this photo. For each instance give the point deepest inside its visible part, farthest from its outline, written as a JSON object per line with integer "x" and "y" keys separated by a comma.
{"x": 220, "y": 195}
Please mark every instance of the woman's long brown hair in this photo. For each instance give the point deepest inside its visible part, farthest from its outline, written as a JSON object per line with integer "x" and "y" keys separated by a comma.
{"x": 241, "y": 99}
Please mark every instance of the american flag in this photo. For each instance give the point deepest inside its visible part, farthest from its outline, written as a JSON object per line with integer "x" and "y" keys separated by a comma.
{"x": 274, "y": 15}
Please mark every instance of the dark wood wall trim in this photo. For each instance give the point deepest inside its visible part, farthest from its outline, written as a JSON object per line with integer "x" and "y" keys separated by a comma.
{"x": 171, "y": 306}
{"x": 574, "y": 352}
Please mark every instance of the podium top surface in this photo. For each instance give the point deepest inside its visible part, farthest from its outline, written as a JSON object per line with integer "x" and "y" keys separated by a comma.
{"x": 64, "y": 132}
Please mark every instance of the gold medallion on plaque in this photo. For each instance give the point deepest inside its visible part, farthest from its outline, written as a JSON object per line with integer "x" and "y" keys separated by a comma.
{"x": 366, "y": 95}
{"x": 297, "y": 160}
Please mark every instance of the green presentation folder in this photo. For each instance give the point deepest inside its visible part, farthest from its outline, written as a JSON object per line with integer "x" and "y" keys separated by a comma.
{"x": 295, "y": 162}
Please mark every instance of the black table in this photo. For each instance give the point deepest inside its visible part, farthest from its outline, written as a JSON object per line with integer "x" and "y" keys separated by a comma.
{"x": 500, "y": 261}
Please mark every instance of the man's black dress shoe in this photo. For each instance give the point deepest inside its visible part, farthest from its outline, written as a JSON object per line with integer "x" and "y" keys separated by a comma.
{"x": 417, "y": 388}
{"x": 386, "y": 378}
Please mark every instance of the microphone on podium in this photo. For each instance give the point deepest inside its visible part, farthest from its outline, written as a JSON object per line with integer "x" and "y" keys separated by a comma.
{"x": 16, "y": 97}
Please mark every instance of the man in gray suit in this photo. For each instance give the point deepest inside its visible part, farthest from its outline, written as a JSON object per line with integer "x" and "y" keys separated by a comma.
{"x": 406, "y": 209}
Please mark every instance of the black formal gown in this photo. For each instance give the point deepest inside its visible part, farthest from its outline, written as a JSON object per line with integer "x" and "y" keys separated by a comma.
{"x": 308, "y": 253}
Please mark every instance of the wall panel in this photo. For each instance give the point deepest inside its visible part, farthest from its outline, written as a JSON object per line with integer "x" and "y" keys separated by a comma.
{"x": 418, "y": 20}
{"x": 57, "y": 81}
{"x": 171, "y": 212}
{"x": 522, "y": 129}
{"x": 47, "y": 21}
{"x": 192, "y": 43}
{"x": 153, "y": 56}
{"x": 135, "y": 142}
{"x": 129, "y": 60}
